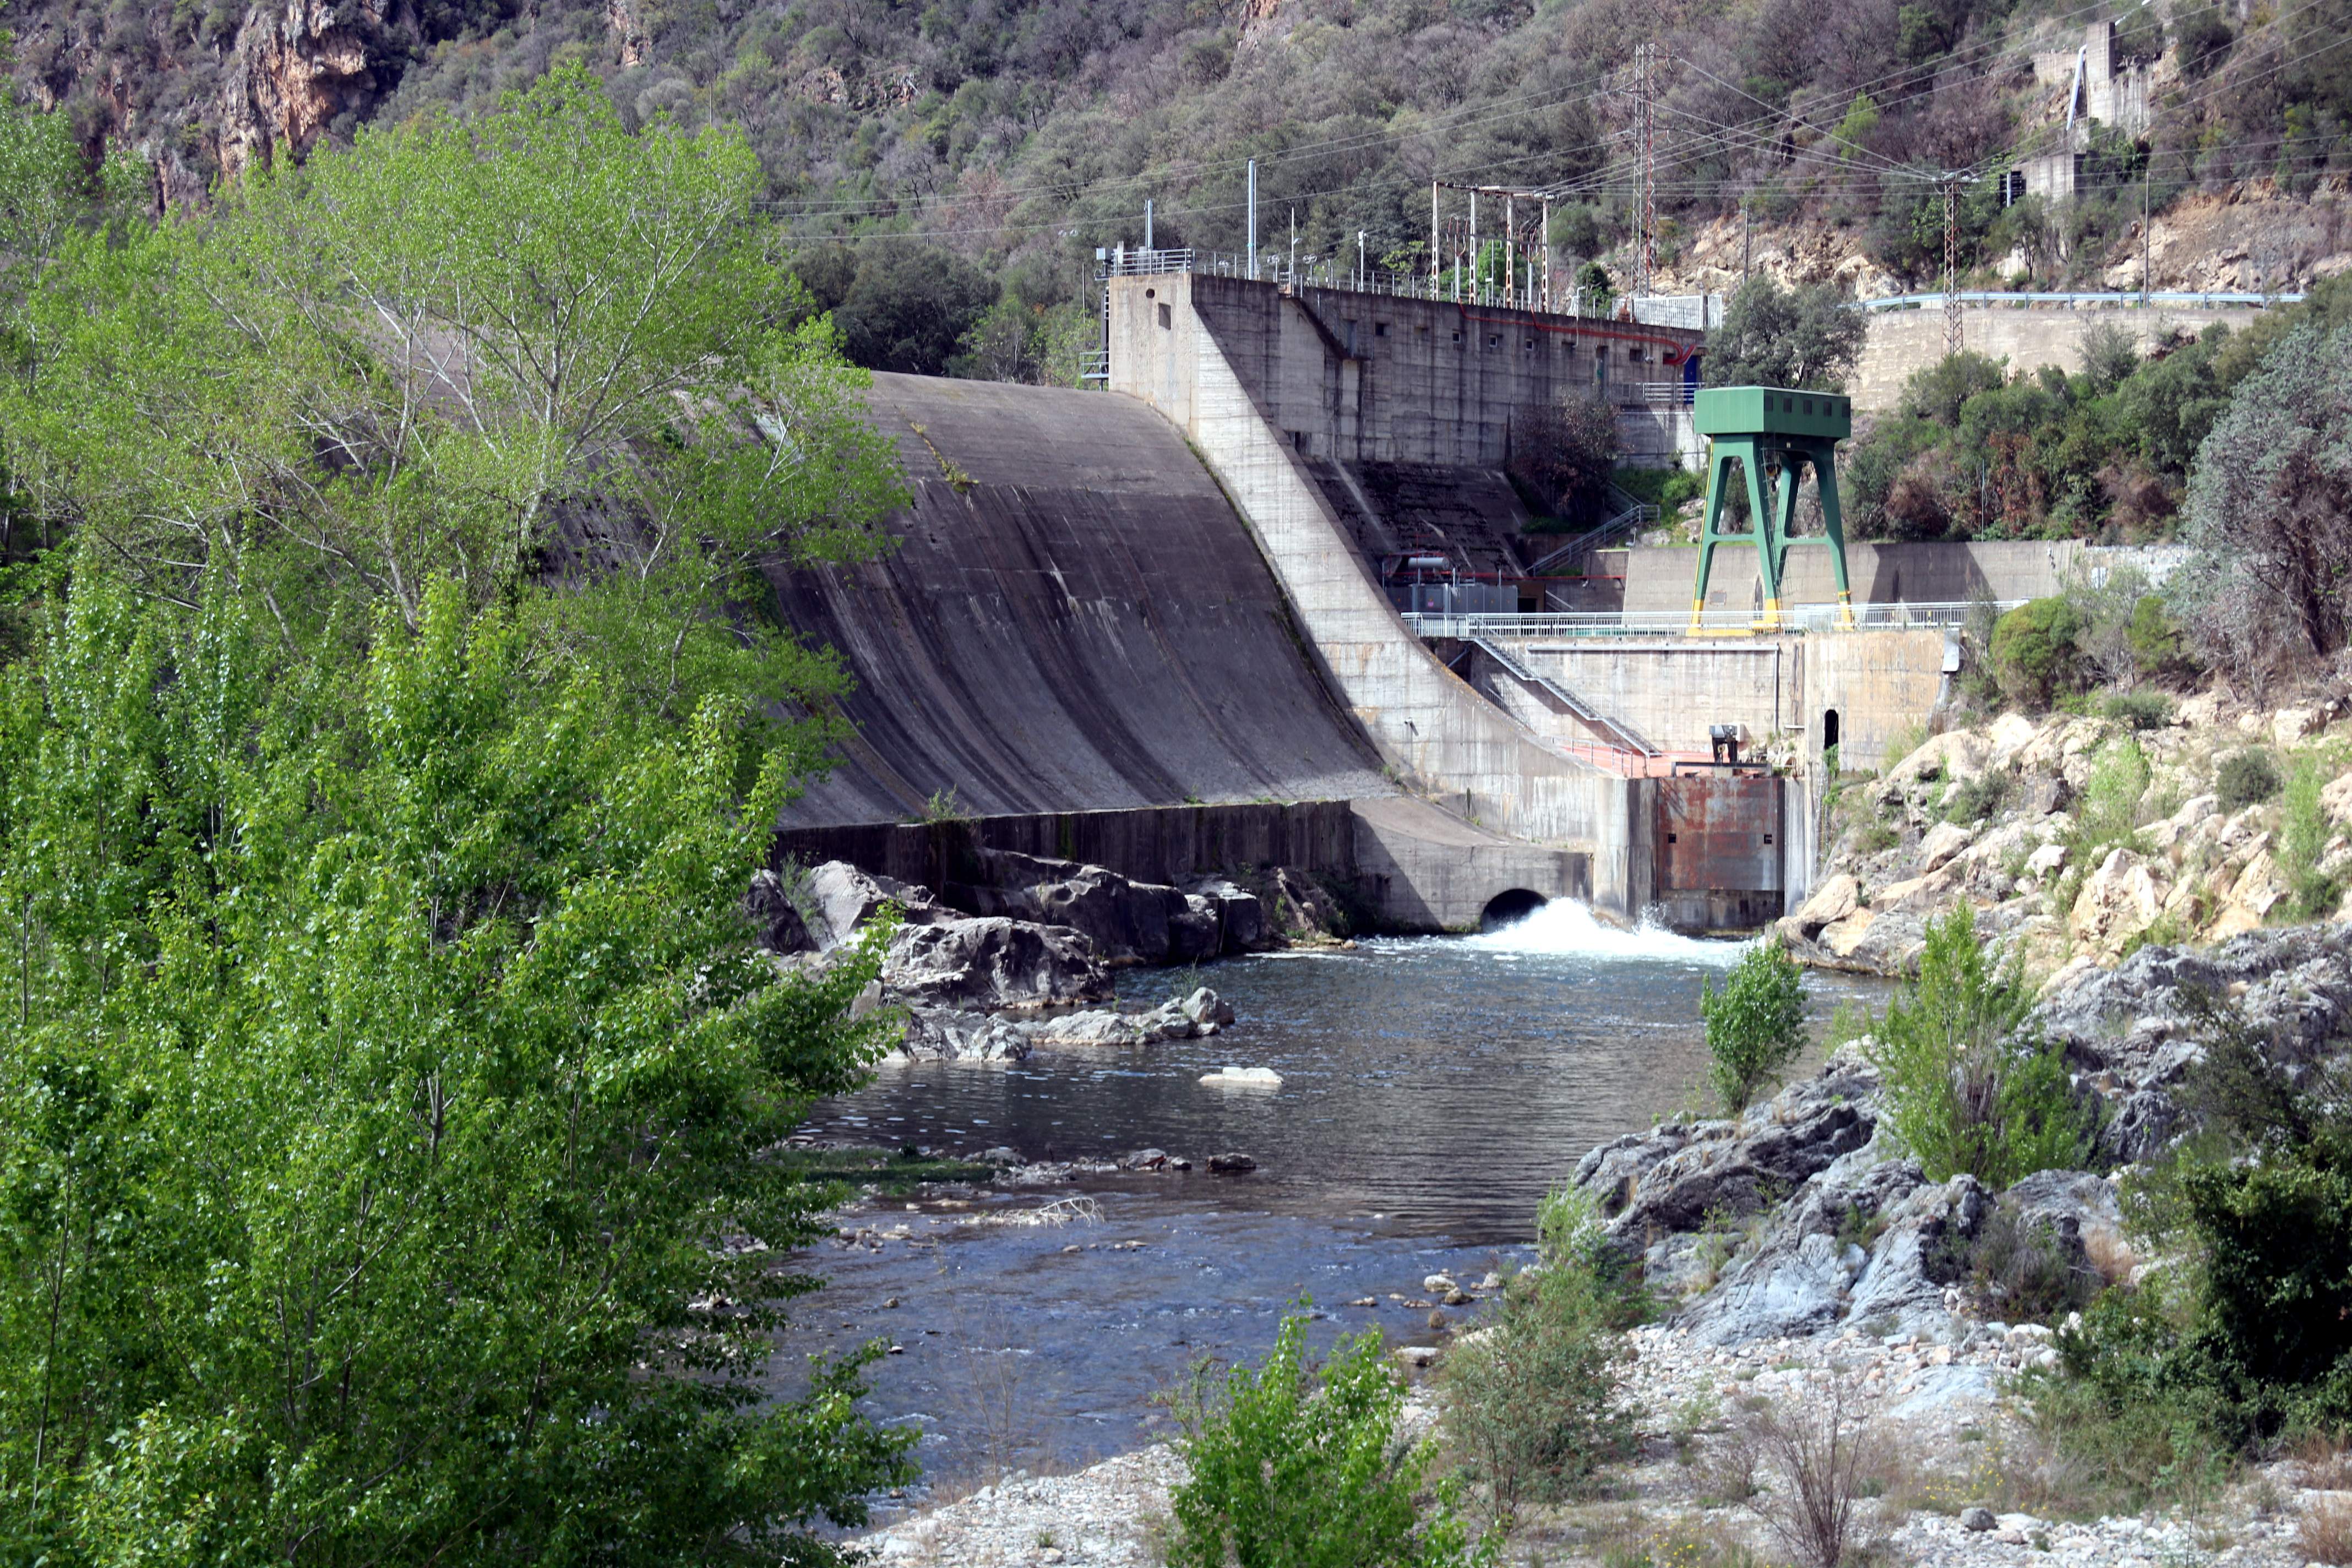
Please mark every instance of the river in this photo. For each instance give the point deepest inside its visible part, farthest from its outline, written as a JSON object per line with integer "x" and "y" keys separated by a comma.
{"x": 1434, "y": 1090}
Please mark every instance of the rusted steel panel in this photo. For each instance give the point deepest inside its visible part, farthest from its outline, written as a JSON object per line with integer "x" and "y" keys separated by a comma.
{"x": 1717, "y": 850}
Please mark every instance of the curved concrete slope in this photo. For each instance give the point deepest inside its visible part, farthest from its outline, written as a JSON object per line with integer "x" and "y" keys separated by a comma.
{"x": 1076, "y": 620}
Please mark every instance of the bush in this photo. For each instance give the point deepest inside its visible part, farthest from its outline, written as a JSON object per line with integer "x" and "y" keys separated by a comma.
{"x": 1820, "y": 1452}
{"x": 2245, "y": 778}
{"x": 2303, "y": 837}
{"x": 1963, "y": 1091}
{"x": 1755, "y": 1025}
{"x": 1530, "y": 1402}
{"x": 2034, "y": 651}
{"x": 2248, "y": 1334}
{"x": 2109, "y": 814}
{"x": 2139, "y": 711}
{"x": 2024, "y": 1272}
{"x": 1301, "y": 1465}
{"x": 1975, "y": 799}
{"x": 2156, "y": 649}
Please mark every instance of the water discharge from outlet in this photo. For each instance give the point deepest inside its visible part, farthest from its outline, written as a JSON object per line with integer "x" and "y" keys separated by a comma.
{"x": 1565, "y": 928}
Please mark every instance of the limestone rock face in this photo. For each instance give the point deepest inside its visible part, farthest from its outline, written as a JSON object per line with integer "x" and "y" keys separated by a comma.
{"x": 2118, "y": 900}
{"x": 1137, "y": 921}
{"x": 837, "y": 897}
{"x": 297, "y": 65}
{"x": 1835, "y": 899}
{"x": 1943, "y": 841}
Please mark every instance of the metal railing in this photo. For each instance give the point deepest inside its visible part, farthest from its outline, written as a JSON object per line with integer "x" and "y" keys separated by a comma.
{"x": 1095, "y": 365}
{"x": 1592, "y": 718}
{"x": 1822, "y": 617}
{"x": 1320, "y": 272}
{"x": 1638, "y": 515}
{"x": 2175, "y": 298}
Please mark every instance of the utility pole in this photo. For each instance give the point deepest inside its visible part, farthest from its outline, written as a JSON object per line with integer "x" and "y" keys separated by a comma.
{"x": 1544, "y": 303}
{"x": 1433, "y": 239}
{"x": 1147, "y": 223}
{"x": 1364, "y": 273}
{"x": 1477, "y": 283}
{"x": 1252, "y": 219}
{"x": 2145, "y": 247}
{"x": 1746, "y": 234}
{"x": 1951, "y": 263}
{"x": 1645, "y": 255}
{"x": 1510, "y": 251}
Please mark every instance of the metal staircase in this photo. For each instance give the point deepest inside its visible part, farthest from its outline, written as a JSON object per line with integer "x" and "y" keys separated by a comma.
{"x": 1592, "y": 718}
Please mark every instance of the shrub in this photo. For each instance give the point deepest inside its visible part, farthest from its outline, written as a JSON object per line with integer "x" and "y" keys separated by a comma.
{"x": 1975, "y": 799}
{"x": 2246, "y": 778}
{"x": 2109, "y": 814}
{"x": 2139, "y": 711}
{"x": 1963, "y": 1092}
{"x": 1755, "y": 1025}
{"x": 1821, "y": 1453}
{"x": 2303, "y": 837}
{"x": 2034, "y": 650}
{"x": 2156, "y": 649}
{"x": 1301, "y": 1464}
{"x": 1530, "y": 1401}
{"x": 2023, "y": 1271}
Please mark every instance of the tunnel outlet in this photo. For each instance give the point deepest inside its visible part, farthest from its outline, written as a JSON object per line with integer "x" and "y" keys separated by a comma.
{"x": 1508, "y": 907}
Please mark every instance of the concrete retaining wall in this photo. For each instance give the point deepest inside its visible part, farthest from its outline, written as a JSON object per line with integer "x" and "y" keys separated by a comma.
{"x": 1659, "y": 578}
{"x": 1672, "y": 690}
{"x": 1408, "y": 863}
{"x": 1903, "y": 343}
{"x": 1374, "y": 378}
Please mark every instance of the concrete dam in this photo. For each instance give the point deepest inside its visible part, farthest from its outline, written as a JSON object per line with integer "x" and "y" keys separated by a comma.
{"x": 1149, "y": 628}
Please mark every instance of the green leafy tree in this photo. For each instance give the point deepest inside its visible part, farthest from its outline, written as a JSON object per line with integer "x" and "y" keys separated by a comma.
{"x": 1755, "y": 1025}
{"x": 1531, "y": 1400}
{"x": 385, "y": 1094}
{"x": 1775, "y": 336}
{"x": 2270, "y": 512}
{"x": 1297, "y": 1464}
{"x": 532, "y": 343}
{"x": 2034, "y": 650}
{"x": 1964, "y": 1091}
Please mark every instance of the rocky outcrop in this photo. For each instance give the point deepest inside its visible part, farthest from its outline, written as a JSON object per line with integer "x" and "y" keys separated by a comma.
{"x": 965, "y": 981}
{"x": 993, "y": 963}
{"x": 1132, "y": 921}
{"x": 2132, "y": 1031}
{"x": 297, "y": 67}
{"x": 1993, "y": 817}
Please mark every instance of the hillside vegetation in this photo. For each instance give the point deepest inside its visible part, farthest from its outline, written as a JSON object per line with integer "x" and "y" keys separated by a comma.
{"x": 1001, "y": 143}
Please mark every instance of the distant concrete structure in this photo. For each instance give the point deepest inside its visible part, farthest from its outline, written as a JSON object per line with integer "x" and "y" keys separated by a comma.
{"x": 1903, "y": 343}
{"x": 1364, "y": 377}
{"x": 2098, "y": 87}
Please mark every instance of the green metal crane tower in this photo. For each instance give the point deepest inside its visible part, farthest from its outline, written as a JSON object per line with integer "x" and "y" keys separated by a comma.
{"x": 1771, "y": 430}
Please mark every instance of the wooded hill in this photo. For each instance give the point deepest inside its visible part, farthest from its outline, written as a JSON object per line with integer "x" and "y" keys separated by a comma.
{"x": 1001, "y": 141}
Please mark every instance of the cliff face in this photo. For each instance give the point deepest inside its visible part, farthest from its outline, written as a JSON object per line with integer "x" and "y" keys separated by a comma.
{"x": 297, "y": 65}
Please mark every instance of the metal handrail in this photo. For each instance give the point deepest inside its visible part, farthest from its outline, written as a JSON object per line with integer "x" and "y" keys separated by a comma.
{"x": 1812, "y": 617}
{"x": 1633, "y": 516}
{"x": 1584, "y": 712}
{"x": 1996, "y": 297}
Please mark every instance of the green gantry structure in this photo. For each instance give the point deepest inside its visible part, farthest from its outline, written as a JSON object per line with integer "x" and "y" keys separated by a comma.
{"x": 1771, "y": 431}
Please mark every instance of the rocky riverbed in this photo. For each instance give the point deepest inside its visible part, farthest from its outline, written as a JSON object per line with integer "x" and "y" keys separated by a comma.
{"x": 1801, "y": 1265}
{"x": 1026, "y": 958}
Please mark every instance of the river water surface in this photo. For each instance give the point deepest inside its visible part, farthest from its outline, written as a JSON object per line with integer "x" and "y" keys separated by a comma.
{"x": 1434, "y": 1090}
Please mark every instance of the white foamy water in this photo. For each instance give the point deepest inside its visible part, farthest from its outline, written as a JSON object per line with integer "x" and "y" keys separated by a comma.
{"x": 1566, "y": 928}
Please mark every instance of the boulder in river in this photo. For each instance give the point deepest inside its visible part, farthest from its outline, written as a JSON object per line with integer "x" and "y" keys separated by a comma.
{"x": 1231, "y": 1164}
{"x": 993, "y": 964}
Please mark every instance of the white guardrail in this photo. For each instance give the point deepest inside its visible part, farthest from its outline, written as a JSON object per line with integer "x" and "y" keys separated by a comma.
{"x": 1670, "y": 623}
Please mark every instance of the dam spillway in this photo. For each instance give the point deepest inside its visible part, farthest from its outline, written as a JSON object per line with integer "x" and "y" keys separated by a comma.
{"x": 1074, "y": 619}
